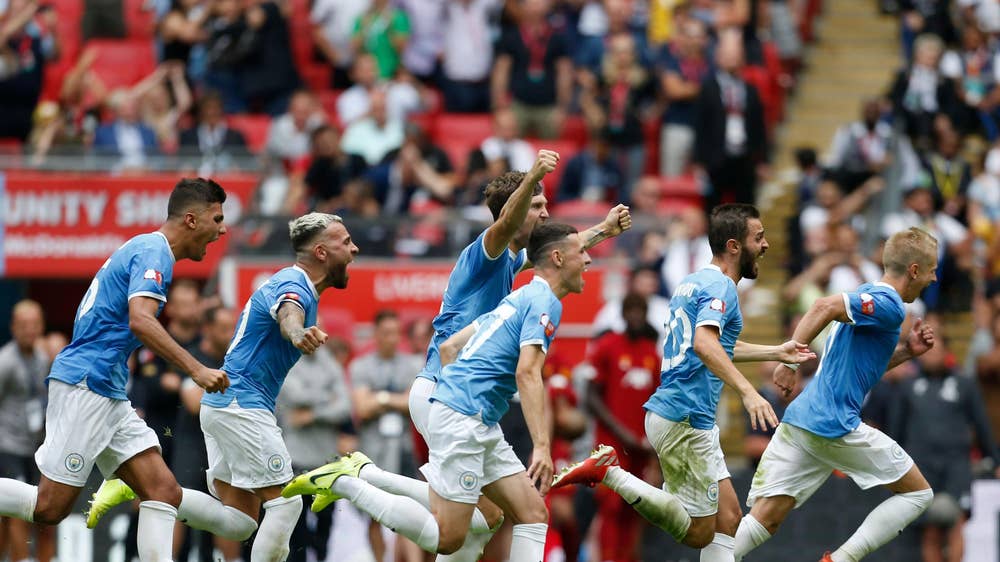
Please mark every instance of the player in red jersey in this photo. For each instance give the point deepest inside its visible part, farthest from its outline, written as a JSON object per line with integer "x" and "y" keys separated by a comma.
{"x": 625, "y": 367}
{"x": 568, "y": 423}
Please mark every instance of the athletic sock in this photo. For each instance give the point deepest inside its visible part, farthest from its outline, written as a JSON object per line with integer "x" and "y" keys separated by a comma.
{"x": 528, "y": 542}
{"x": 280, "y": 517}
{"x": 882, "y": 525}
{"x": 201, "y": 511}
{"x": 749, "y": 536}
{"x": 658, "y": 507}
{"x": 155, "y": 534}
{"x": 720, "y": 550}
{"x": 399, "y": 513}
{"x": 17, "y": 499}
{"x": 475, "y": 544}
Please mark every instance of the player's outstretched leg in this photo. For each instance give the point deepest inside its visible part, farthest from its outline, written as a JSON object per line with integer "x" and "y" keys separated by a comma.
{"x": 197, "y": 510}
{"x": 280, "y": 516}
{"x": 17, "y": 499}
{"x": 658, "y": 507}
{"x": 912, "y": 496}
{"x": 339, "y": 480}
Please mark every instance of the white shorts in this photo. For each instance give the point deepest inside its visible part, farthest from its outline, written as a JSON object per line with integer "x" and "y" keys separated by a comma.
{"x": 691, "y": 461}
{"x": 797, "y": 462}
{"x": 83, "y": 428}
{"x": 245, "y": 448}
{"x": 419, "y": 402}
{"x": 465, "y": 455}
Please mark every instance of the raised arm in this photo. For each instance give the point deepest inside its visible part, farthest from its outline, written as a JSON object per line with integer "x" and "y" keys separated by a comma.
{"x": 618, "y": 220}
{"x": 532, "y": 391}
{"x": 515, "y": 210}
{"x": 143, "y": 323}
{"x": 291, "y": 320}
{"x": 822, "y": 312}
{"x": 709, "y": 349}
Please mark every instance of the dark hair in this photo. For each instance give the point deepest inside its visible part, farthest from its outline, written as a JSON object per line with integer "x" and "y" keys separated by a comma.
{"x": 499, "y": 190}
{"x": 634, "y": 300}
{"x": 805, "y": 157}
{"x": 193, "y": 191}
{"x": 729, "y": 222}
{"x": 319, "y": 131}
{"x": 186, "y": 284}
{"x": 385, "y": 314}
{"x": 211, "y": 313}
{"x": 544, "y": 235}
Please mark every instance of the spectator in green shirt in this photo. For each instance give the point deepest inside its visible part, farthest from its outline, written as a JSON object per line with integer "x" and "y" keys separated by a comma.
{"x": 382, "y": 31}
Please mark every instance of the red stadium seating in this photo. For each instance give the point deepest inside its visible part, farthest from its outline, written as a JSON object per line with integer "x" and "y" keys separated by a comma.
{"x": 254, "y": 128}
{"x": 470, "y": 128}
{"x": 123, "y": 62}
{"x": 140, "y": 22}
{"x": 681, "y": 191}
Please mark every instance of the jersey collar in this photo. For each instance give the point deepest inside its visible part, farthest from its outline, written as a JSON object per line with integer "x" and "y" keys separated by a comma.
{"x": 308, "y": 281}
{"x": 541, "y": 279}
{"x": 884, "y": 284}
{"x": 167, "y": 242}
{"x": 713, "y": 266}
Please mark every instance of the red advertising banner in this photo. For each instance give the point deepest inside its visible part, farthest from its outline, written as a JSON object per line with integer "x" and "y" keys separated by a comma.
{"x": 66, "y": 225}
{"x": 413, "y": 289}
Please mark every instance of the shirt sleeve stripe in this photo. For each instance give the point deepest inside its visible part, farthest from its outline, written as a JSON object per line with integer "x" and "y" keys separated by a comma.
{"x": 149, "y": 294}
{"x": 847, "y": 306}
{"x": 709, "y": 323}
{"x": 274, "y": 309}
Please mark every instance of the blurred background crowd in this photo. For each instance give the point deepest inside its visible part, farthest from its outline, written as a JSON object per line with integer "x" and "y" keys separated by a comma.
{"x": 396, "y": 113}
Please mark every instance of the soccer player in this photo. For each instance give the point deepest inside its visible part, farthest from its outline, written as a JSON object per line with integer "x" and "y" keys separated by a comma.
{"x": 89, "y": 419}
{"x": 248, "y": 462}
{"x": 502, "y": 352}
{"x": 483, "y": 275}
{"x": 698, "y": 504}
{"x": 822, "y": 429}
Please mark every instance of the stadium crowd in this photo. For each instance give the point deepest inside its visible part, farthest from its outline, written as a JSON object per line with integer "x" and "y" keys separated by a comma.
{"x": 381, "y": 108}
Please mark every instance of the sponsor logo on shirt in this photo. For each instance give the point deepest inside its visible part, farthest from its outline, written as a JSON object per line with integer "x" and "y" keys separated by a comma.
{"x": 153, "y": 275}
{"x": 867, "y": 304}
{"x": 718, "y": 305}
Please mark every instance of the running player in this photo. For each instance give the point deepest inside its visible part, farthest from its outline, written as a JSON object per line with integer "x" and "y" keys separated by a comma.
{"x": 501, "y": 353}
{"x": 698, "y": 504}
{"x": 822, "y": 429}
{"x": 248, "y": 462}
{"x": 89, "y": 419}
{"x": 483, "y": 275}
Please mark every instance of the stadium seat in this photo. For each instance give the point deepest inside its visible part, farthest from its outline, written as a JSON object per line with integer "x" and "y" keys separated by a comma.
{"x": 651, "y": 137}
{"x": 574, "y": 129}
{"x": 140, "y": 21}
{"x": 315, "y": 76}
{"x": 254, "y": 128}
{"x": 761, "y": 80}
{"x": 123, "y": 62}
{"x": 470, "y": 128}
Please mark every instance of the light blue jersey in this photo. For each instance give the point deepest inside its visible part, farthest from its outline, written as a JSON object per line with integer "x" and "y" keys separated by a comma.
{"x": 482, "y": 379}
{"x": 259, "y": 357}
{"x": 688, "y": 391}
{"x": 102, "y": 339}
{"x": 476, "y": 286}
{"x": 855, "y": 357}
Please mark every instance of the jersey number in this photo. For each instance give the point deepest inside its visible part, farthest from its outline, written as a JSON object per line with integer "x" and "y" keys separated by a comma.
{"x": 484, "y": 332}
{"x": 678, "y": 340}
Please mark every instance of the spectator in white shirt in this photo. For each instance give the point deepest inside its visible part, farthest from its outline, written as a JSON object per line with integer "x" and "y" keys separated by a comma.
{"x": 288, "y": 138}
{"x": 504, "y": 150}
{"x": 426, "y": 37}
{"x": 468, "y": 54}
{"x": 402, "y": 98}
{"x": 333, "y": 22}
{"x": 376, "y": 135}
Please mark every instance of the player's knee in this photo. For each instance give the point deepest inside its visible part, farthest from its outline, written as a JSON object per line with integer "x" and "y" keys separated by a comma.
{"x": 50, "y": 513}
{"x": 700, "y": 534}
{"x": 450, "y": 542}
{"x": 921, "y": 498}
{"x": 728, "y": 519}
{"x": 241, "y": 525}
{"x": 492, "y": 513}
{"x": 167, "y": 492}
{"x": 536, "y": 512}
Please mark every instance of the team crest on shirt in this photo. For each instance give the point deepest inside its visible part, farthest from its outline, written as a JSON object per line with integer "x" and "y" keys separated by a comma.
{"x": 74, "y": 462}
{"x": 867, "y": 304}
{"x": 718, "y": 305}
{"x": 713, "y": 492}
{"x": 153, "y": 275}
{"x": 276, "y": 463}
{"x": 549, "y": 326}
{"x": 468, "y": 481}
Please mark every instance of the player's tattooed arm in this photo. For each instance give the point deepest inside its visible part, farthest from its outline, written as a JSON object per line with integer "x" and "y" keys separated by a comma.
{"x": 533, "y": 403}
{"x": 618, "y": 220}
{"x": 453, "y": 345}
{"x": 291, "y": 320}
{"x": 147, "y": 328}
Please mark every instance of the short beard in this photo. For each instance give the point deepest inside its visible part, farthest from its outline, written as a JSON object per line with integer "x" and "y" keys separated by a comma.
{"x": 748, "y": 262}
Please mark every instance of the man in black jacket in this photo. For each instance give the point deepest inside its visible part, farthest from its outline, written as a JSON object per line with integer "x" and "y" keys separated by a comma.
{"x": 730, "y": 141}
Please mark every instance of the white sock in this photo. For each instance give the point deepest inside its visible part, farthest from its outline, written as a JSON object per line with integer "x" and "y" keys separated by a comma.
{"x": 201, "y": 511}
{"x": 399, "y": 513}
{"x": 658, "y": 507}
{"x": 416, "y": 490}
{"x": 749, "y": 536}
{"x": 720, "y": 549}
{"x": 475, "y": 544}
{"x": 280, "y": 517}
{"x": 883, "y": 524}
{"x": 156, "y": 531}
{"x": 528, "y": 542}
{"x": 17, "y": 499}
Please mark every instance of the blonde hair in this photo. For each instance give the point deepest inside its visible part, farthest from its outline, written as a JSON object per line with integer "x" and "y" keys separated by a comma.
{"x": 911, "y": 246}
